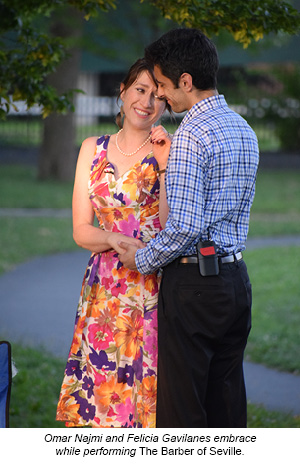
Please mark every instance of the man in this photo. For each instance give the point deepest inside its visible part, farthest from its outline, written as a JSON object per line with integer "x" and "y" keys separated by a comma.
{"x": 204, "y": 319}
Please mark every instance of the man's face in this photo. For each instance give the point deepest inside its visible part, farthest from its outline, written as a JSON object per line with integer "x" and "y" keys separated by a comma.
{"x": 176, "y": 97}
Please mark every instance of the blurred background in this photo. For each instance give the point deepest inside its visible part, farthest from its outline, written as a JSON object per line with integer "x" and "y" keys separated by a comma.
{"x": 261, "y": 82}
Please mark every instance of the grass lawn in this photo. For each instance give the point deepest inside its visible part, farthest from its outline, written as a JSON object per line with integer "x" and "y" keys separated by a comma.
{"x": 276, "y": 206}
{"x": 274, "y": 339}
{"x": 20, "y": 188}
{"x": 22, "y": 238}
{"x": 36, "y": 389}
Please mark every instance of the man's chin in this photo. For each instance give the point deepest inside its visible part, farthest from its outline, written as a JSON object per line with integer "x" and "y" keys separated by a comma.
{"x": 177, "y": 109}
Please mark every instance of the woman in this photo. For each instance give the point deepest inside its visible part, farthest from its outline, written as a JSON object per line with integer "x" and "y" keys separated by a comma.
{"x": 110, "y": 377}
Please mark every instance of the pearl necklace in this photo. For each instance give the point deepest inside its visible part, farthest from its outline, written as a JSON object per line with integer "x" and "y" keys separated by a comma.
{"x": 132, "y": 153}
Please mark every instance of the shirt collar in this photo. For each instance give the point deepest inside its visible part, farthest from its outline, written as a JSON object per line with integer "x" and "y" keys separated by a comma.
{"x": 215, "y": 101}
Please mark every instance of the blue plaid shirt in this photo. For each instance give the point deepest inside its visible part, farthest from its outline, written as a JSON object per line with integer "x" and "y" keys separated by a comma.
{"x": 210, "y": 184}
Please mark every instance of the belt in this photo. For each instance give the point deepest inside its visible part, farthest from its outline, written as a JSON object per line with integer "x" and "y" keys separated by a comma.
{"x": 223, "y": 259}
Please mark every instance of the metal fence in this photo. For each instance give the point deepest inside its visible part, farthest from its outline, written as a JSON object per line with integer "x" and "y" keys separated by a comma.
{"x": 94, "y": 114}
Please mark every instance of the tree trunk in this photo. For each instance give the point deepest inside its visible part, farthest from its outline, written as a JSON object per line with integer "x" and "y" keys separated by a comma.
{"x": 58, "y": 154}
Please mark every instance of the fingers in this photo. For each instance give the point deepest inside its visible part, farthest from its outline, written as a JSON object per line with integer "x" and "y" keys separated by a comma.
{"x": 159, "y": 135}
{"x": 119, "y": 249}
{"x": 135, "y": 242}
{"x": 123, "y": 245}
{"x": 123, "y": 248}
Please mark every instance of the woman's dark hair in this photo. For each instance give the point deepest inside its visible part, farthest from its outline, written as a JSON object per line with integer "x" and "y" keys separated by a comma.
{"x": 185, "y": 50}
{"x": 141, "y": 65}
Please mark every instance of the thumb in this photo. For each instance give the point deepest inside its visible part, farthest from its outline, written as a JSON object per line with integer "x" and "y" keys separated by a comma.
{"x": 123, "y": 245}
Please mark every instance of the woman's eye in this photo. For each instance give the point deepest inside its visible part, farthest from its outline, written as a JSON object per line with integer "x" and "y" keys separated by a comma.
{"x": 140, "y": 90}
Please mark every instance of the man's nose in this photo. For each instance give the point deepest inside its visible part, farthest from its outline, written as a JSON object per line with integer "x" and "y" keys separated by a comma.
{"x": 148, "y": 100}
{"x": 160, "y": 92}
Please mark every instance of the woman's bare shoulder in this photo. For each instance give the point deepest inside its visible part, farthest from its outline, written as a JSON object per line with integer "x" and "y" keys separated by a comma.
{"x": 88, "y": 149}
{"x": 89, "y": 142}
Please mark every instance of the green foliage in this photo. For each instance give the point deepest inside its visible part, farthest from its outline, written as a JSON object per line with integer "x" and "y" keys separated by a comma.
{"x": 29, "y": 54}
{"x": 245, "y": 21}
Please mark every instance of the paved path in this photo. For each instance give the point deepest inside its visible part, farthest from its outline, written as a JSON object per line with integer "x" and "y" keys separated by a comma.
{"x": 38, "y": 301}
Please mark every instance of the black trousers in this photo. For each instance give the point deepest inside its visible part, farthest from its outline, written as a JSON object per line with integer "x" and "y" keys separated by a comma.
{"x": 203, "y": 326}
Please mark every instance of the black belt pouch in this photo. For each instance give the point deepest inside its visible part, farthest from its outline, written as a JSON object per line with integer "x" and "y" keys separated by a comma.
{"x": 207, "y": 258}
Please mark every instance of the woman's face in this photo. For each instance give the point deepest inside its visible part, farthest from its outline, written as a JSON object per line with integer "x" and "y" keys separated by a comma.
{"x": 141, "y": 105}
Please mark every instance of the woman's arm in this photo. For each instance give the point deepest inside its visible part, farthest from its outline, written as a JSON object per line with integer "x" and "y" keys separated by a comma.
{"x": 85, "y": 233}
{"x": 161, "y": 141}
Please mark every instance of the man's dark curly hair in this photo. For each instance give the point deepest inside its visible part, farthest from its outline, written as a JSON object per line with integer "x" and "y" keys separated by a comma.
{"x": 185, "y": 50}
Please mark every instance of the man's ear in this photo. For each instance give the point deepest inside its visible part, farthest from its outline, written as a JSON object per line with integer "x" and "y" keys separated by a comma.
{"x": 186, "y": 82}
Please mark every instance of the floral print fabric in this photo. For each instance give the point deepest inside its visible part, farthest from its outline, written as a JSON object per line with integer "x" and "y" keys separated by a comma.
{"x": 111, "y": 373}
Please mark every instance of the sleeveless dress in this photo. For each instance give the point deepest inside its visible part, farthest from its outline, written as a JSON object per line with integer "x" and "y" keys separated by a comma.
{"x": 110, "y": 378}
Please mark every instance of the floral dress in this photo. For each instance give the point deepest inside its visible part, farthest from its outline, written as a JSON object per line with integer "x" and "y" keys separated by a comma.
{"x": 111, "y": 374}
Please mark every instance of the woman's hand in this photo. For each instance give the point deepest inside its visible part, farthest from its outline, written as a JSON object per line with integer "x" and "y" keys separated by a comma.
{"x": 161, "y": 142}
{"x": 114, "y": 238}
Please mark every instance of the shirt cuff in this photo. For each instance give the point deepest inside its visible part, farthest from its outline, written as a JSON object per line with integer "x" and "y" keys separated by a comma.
{"x": 142, "y": 265}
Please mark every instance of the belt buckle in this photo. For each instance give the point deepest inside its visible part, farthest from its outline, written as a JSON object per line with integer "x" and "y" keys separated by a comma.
{"x": 231, "y": 258}
{"x": 188, "y": 260}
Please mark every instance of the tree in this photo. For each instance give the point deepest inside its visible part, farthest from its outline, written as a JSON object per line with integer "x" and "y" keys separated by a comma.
{"x": 103, "y": 36}
{"x": 29, "y": 55}
{"x": 39, "y": 64}
{"x": 57, "y": 156}
{"x": 244, "y": 20}
{"x": 39, "y": 54}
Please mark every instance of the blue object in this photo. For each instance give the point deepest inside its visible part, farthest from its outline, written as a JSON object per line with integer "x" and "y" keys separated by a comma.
{"x": 5, "y": 382}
